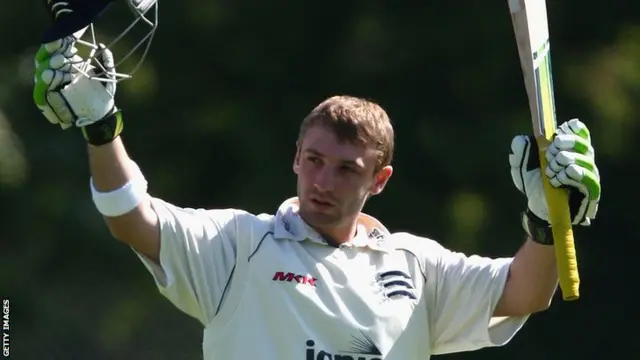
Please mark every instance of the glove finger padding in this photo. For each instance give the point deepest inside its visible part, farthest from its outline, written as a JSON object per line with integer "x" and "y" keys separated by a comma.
{"x": 571, "y": 159}
{"x": 571, "y": 143}
{"x": 48, "y": 99}
{"x": 54, "y": 68}
{"x": 54, "y": 101}
{"x": 574, "y": 127}
{"x": 583, "y": 200}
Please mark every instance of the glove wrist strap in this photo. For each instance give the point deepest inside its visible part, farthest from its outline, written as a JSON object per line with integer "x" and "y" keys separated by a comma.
{"x": 537, "y": 229}
{"x": 104, "y": 131}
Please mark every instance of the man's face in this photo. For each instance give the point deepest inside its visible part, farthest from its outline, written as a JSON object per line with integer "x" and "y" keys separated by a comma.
{"x": 334, "y": 179}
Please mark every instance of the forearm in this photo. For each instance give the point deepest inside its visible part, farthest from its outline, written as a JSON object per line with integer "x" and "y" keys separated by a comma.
{"x": 532, "y": 281}
{"x": 110, "y": 165}
{"x": 111, "y": 169}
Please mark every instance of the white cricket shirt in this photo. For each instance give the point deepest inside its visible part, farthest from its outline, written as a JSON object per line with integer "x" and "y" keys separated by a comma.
{"x": 268, "y": 287}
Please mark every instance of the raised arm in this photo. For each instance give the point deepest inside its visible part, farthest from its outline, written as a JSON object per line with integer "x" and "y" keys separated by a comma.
{"x": 477, "y": 301}
{"x": 70, "y": 99}
{"x": 112, "y": 171}
{"x": 533, "y": 276}
{"x": 191, "y": 253}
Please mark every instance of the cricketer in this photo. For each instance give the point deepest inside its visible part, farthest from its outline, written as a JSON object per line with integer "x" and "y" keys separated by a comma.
{"x": 319, "y": 278}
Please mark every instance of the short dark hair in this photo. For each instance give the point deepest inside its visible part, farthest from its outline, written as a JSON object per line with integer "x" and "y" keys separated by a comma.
{"x": 357, "y": 121}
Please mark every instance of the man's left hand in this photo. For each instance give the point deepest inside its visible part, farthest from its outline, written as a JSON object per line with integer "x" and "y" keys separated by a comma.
{"x": 571, "y": 164}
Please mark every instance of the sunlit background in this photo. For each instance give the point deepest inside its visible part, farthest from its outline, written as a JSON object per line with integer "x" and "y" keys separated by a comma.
{"x": 212, "y": 118}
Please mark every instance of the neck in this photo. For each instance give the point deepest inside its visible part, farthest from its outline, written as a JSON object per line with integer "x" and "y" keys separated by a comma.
{"x": 338, "y": 236}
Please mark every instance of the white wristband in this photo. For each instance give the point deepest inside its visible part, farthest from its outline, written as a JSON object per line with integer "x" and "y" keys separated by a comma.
{"x": 123, "y": 200}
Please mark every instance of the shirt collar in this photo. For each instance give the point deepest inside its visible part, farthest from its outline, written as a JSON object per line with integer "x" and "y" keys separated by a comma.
{"x": 289, "y": 225}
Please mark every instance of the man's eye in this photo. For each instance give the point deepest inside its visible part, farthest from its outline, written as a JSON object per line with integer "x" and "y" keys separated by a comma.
{"x": 348, "y": 169}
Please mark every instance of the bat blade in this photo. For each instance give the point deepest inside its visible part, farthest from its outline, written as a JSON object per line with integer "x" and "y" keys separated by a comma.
{"x": 530, "y": 25}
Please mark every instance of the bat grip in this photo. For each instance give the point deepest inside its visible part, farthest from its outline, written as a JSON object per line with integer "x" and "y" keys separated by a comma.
{"x": 560, "y": 219}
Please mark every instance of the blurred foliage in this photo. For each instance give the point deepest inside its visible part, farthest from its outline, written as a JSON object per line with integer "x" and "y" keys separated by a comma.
{"x": 212, "y": 118}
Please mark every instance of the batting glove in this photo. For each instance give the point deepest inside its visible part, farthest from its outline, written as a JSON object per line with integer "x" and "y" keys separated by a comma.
{"x": 571, "y": 164}
{"x": 67, "y": 97}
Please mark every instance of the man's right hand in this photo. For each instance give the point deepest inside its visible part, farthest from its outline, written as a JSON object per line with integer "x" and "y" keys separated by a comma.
{"x": 64, "y": 94}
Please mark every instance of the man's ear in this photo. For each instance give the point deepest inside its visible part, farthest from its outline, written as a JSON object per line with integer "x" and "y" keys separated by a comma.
{"x": 296, "y": 158}
{"x": 381, "y": 179}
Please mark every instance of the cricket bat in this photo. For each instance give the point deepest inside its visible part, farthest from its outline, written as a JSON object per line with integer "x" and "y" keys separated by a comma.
{"x": 529, "y": 20}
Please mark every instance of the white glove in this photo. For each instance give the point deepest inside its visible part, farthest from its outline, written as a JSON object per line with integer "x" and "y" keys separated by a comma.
{"x": 571, "y": 164}
{"x": 65, "y": 95}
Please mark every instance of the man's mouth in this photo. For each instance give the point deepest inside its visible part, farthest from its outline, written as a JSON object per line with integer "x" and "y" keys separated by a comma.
{"x": 321, "y": 202}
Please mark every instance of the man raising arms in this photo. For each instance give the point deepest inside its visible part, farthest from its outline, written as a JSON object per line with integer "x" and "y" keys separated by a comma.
{"x": 320, "y": 279}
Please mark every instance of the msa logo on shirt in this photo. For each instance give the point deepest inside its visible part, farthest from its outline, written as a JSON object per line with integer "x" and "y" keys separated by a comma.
{"x": 361, "y": 349}
{"x": 297, "y": 278}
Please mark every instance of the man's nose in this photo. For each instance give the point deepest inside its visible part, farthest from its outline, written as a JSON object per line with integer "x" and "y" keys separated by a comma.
{"x": 325, "y": 179}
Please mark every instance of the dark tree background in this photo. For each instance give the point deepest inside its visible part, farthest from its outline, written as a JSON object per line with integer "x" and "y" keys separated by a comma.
{"x": 212, "y": 119}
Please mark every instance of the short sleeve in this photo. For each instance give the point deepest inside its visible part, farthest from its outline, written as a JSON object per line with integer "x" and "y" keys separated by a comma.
{"x": 197, "y": 256}
{"x": 466, "y": 290}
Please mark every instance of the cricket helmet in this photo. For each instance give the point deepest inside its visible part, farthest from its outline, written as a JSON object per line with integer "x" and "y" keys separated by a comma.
{"x": 76, "y": 18}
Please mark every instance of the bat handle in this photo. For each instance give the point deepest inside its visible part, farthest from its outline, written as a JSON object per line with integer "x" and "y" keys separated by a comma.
{"x": 560, "y": 219}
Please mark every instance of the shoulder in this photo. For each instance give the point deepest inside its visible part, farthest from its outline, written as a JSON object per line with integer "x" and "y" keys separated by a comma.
{"x": 429, "y": 252}
{"x": 246, "y": 229}
{"x": 419, "y": 245}
{"x": 244, "y": 221}
{"x": 436, "y": 257}
{"x": 240, "y": 220}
